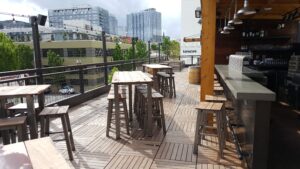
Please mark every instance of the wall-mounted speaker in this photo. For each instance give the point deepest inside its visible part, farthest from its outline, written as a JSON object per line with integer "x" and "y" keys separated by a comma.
{"x": 41, "y": 20}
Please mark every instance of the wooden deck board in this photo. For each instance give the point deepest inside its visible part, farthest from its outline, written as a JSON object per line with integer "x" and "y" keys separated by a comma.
{"x": 173, "y": 151}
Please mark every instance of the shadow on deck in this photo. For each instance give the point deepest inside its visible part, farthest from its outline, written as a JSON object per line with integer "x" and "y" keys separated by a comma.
{"x": 175, "y": 150}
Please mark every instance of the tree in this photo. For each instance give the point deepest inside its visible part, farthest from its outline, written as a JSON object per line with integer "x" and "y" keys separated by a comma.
{"x": 117, "y": 53}
{"x": 154, "y": 46}
{"x": 7, "y": 54}
{"x": 55, "y": 60}
{"x": 174, "y": 49}
{"x": 141, "y": 50}
{"x": 166, "y": 46}
{"x": 128, "y": 54}
{"x": 24, "y": 57}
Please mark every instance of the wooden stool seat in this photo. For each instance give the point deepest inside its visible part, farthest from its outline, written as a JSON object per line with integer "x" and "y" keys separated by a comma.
{"x": 210, "y": 98}
{"x": 203, "y": 109}
{"x": 15, "y": 123}
{"x": 58, "y": 112}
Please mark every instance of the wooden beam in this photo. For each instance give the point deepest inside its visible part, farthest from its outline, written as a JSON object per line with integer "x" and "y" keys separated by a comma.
{"x": 208, "y": 42}
{"x": 192, "y": 39}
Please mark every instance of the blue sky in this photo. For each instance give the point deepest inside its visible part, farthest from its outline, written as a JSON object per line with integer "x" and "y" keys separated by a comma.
{"x": 170, "y": 9}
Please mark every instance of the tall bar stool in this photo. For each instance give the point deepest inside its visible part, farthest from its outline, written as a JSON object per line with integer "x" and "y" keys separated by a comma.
{"x": 62, "y": 113}
{"x": 123, "y": 109}
{"x": 203, "y": 109}
{"x": 218, "y": 90}
{"x": 167, "y": 83}
{"x": 158, "y": 108}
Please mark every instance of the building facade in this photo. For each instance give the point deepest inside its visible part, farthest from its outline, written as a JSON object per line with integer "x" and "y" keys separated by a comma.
{"x": 146, "y": 25}
{"x": 190, "y": 28}
{"x": 113, "y": 25}
{"x": 14, "y": 24}
{"x": 96, "y": 15}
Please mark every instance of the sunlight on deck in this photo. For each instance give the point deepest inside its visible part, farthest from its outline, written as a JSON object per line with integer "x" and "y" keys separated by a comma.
{"x": 95, "y": 150}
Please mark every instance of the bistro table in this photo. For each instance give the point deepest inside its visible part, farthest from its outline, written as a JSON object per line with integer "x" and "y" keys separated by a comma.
{"x": 24, "y": 91}
{"x": 155, "y": 68}
{"x": 131, "y": 78}
{"x": 36, "y": 154}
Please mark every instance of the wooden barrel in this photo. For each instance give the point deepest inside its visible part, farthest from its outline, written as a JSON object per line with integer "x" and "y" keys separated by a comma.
{"x": 194, "y": 74}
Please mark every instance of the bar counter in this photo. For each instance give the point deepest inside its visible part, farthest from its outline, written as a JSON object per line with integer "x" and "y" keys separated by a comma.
{"x": 252, "y": 107}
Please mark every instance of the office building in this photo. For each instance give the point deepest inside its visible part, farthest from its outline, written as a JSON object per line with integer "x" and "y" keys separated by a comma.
{"x": 14, "y": 24}
{"x": 113, "y": 25}
{"x": 96, "y": 15}
{"x": 146, "y": 25}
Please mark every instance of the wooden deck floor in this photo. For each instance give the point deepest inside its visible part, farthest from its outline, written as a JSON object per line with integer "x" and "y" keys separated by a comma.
{"x": 95, "y": 150}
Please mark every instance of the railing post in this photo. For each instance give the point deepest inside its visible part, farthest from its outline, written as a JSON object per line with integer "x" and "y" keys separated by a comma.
{"x": 104, "y": 58}
{"x": 37, "y": 48}
{"x": 192, "y": 60}
{"x": 149, "y": 51}
{"x": 133, "y": 52}
{"x": 159, "y": 52}
{"x": 81, "y": 80}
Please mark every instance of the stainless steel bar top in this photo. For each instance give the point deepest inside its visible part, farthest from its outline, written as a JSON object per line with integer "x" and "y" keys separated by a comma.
{"x": 242, "y": 87}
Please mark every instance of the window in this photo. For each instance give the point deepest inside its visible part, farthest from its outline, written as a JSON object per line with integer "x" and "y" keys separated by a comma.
{"x": 76, "y": 52}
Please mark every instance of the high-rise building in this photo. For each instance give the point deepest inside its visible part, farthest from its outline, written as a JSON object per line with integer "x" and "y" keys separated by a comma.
{"x": 146, "y": 25}
{"x": 113, "y": 25}
{"x": 96, "y": 15}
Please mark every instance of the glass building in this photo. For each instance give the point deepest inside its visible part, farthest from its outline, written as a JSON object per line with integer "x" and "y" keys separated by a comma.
{"x": 146, "y": 25}
{"x": 96, "y": 15}
{"x": 113, "y": 25}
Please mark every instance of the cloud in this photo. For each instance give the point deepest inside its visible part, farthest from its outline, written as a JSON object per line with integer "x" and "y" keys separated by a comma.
{"x": 170, "y": 9}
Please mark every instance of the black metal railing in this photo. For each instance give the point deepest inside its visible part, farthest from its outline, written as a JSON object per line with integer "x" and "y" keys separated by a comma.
{"x": 70, "y": 81}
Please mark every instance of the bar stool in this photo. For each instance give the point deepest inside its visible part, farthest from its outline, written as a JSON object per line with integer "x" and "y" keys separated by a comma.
{"x": 218, "y": 90}
{"x": 203, "y": 109}
{"x": 15, "y": 124}
{"x": 111, "y": 102}
{"x": 167, "y": 83}
{"x": 158, "y": 108}
{"x": 58, "y": 112}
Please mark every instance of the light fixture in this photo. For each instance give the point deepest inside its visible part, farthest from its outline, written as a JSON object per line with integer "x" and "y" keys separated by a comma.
{"x": 225, "y": 31}
{"x": 229, "y": 26}
{"x": 235, "y": 20}
{"x": 198, "y": 12}
{"x": 246, "y": 10}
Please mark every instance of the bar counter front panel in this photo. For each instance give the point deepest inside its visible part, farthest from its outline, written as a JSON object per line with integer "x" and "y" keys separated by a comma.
{"x": 252, "y": 107}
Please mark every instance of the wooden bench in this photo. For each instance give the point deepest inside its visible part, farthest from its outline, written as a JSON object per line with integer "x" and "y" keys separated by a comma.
{"x": 203, "y": 109}
{"x": 62, "y": 113}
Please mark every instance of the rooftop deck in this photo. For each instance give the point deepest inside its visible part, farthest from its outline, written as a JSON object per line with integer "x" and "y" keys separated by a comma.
{"x": 95, "y": 150}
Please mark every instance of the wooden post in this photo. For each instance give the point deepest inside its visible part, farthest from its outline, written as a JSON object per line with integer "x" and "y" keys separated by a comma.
{"x": 208, "y": 40}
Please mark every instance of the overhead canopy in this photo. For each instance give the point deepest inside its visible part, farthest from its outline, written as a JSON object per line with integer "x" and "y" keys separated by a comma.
{"x": 278, "y": 8}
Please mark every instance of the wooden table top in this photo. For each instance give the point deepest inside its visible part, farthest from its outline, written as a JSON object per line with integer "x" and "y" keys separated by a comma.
{"x": 130, "y": 77}
{"x": 7, "y": 91}
{"x": 38, "y": 153}
{"x": 157, "y": 66}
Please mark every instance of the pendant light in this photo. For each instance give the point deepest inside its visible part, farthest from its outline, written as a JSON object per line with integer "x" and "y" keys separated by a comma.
{"x": 225, "y": 31}
{"x": 235, "y": 20}
{"x": 246, "y": 10}
{"x": 229, "y": 26}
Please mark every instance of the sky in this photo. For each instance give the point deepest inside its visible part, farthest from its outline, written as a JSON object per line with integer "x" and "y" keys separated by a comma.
{"x": 170, "y": 10}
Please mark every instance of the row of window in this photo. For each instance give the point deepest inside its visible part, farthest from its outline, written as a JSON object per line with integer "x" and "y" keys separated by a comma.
{"x": 79, "y": 52}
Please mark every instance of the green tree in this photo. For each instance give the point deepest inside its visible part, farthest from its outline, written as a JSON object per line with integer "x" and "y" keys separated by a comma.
{"x": 113, "y": 70}
{"x": 128, "y": 54}
{"x": 117, "y": 53}
{"x": 24, "y": 57}
{"x": 141, "y": 50}
{"x": 174, "y": 49}
{"x": 166, "y": 46}
{"x": 154, "y": 46}
{"x": 7, "y": 54}
{"x": 55, "y": 60}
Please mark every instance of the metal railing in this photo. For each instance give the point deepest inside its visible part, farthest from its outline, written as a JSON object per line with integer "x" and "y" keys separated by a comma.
{"x": 71, "y": 81}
